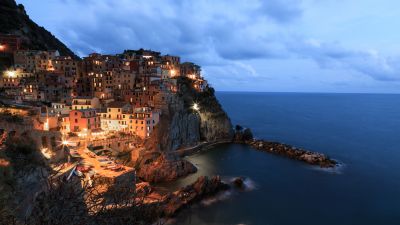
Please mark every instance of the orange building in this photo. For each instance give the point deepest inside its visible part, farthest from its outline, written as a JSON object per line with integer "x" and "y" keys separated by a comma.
{"x": 84, "y": 120}
{"x": 142, "y": 121}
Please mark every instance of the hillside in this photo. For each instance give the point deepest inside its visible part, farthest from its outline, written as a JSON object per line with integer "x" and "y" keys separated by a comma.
{"x": 14, "y": 20}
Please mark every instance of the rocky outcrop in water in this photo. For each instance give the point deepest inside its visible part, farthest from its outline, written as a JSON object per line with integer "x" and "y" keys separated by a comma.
{"x": 203, "y": 187}
{"x": 244, "y": 136}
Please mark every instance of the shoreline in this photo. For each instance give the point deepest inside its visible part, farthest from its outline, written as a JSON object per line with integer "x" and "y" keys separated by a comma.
{"x": 201, "y": 147}
{"x": 299, "y": 154}
{"x": 173, "y": 201}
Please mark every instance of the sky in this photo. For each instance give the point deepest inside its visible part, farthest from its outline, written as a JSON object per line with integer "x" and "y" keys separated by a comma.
{"x": 245, "y": 45}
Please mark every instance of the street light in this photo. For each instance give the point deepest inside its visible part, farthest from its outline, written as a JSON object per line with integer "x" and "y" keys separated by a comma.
{"x": 65, "y": 143}
{"x": 2, "y": 47}
{"x": 196, "y": 107}
{"x": 11, "y": 73}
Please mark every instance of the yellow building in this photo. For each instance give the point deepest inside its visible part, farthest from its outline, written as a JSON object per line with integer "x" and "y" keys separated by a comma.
{"x": 113, "y": 119}
{"x": 142, "y": 121}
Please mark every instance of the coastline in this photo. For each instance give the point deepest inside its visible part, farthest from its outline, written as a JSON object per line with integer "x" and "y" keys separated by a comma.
{"x": 201, "y": 147}
{"x": 310, "y": 157}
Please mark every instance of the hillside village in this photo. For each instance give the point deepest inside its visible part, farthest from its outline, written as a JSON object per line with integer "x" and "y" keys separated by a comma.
{"x": 89, "y": 109}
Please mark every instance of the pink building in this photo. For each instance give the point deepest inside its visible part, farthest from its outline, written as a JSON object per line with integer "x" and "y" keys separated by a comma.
{"x": 84, "y": 120}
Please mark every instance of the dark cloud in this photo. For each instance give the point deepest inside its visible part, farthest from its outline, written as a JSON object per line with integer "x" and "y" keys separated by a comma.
{"x": 178, "y": 27}
{"x": 332, "y": 55}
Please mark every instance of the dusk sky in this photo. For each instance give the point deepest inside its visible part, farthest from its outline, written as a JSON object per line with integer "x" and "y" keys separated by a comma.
{"x": 247, "y": 45}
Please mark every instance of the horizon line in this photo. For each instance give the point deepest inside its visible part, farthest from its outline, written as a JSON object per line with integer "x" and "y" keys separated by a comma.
{"x": 309, "y": 92}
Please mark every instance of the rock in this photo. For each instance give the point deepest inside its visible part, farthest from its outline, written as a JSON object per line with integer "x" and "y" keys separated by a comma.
{"x": 243, "y": 136}
{"x": 202, "y": 187}
{"x": 182, "y": 127}
{"x": 313, "y": 158}
{"x": 163, "y": 168}
{"x": 14, "y": 20}
{"x": 143, "y": 189}
{"x": 238, "y": 182}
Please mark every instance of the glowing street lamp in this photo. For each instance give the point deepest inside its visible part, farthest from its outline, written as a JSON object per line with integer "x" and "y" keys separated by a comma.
{"x": 11, "y": 74}
{"x": 2, "y": 47}
{"x": 196, "y": 107}
{"x": 173, "y": 72}
{"x": 46, "y": 125}
{"x": 65, "y": 143}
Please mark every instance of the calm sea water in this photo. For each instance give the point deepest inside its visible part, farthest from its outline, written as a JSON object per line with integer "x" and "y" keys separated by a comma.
{"x": 360, "y": 130}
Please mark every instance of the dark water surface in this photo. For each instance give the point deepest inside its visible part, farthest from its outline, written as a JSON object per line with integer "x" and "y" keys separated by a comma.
{"x": 360, "y": 130}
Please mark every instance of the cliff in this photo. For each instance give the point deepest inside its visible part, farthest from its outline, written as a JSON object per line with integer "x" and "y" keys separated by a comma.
{"x": 14, "y": 20}
{"x": 183, "y": 126}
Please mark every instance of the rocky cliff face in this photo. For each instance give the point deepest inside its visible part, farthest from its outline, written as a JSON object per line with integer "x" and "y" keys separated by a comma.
{"x": 183, "y": 126}
{"x": 161, "y": 167}
{"x": 14, "y": 20}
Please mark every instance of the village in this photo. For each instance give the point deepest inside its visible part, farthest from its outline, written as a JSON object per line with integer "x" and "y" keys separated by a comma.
{"x": 89, "y": 110}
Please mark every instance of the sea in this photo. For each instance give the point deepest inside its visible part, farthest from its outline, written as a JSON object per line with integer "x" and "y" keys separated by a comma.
{"x": 361, "y": 131}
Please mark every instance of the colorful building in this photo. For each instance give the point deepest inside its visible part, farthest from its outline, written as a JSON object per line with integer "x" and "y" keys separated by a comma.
{"x": 113, "y": 119}
{"x": 142, "y": 121}
{"x": 83, "y": 120}
{"x": 85, "y": 103}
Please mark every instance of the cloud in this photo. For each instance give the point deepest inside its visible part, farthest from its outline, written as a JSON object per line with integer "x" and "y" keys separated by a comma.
{"x": 282, "y": 10}
{"x": 232, "y": 28}
{"x": 225, "y": 37}
{"x": 333, "y": 55}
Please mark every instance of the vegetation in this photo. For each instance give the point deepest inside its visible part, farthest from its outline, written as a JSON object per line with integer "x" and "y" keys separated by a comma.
{"x": 19, "y": 157}
{"x": 205, "y": 99}
{"x": 7, "y": 116}
{"x": 14, "y": 20}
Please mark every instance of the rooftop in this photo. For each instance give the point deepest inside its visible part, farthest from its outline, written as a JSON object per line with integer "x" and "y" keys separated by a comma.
{"x": 117, "y": 104}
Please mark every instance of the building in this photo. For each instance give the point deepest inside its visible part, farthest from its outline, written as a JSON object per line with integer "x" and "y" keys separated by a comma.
{"x": 142, "y": 121}
{"x": 190, "y": 70}
{"x": 60, "y": 108}
{"x": 85, "y": 103}
{"x": 67, "y": 65}
{"x": 113, "y": 119}
{"x": 83, "y": 120}
{"x": 35, "y": 61}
